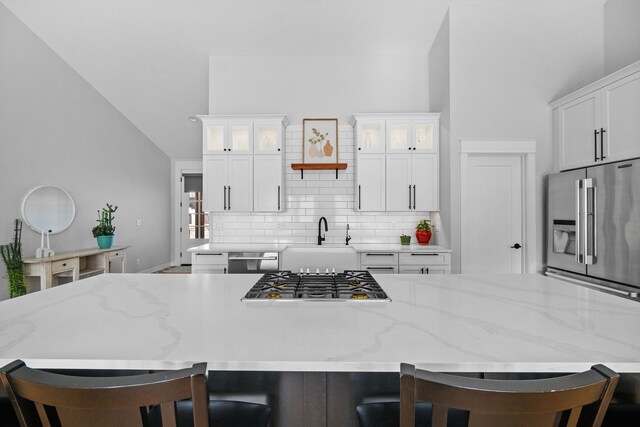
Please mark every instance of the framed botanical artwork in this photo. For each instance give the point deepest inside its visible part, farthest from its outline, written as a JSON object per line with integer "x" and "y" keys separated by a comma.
{"x": 320, "y": 141}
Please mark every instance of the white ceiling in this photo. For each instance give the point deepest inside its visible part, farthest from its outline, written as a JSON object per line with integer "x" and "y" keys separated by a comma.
{"x": 150, "y": 58}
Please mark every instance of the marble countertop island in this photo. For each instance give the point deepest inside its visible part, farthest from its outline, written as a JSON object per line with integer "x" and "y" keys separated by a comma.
{"x": 497, "y": 323}
{"x": 279, "y": 247}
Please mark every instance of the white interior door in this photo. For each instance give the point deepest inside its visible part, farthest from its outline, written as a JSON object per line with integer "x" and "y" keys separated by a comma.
{"x": 492, "y": 224}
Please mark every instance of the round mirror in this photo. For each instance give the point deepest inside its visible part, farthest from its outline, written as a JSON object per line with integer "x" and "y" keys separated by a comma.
{"x": 48, "y": 209}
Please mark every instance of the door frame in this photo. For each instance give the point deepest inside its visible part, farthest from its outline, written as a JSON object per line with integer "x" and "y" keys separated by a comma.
{"x": 179, "y": 167}
{"x": 526, "y": 149}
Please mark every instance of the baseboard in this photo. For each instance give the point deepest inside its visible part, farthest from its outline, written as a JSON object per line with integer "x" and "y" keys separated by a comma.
{"x": 156, "y": 268}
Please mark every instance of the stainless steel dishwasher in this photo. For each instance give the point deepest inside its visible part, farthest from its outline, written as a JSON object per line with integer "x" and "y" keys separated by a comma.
{"x": 252, "y": 262}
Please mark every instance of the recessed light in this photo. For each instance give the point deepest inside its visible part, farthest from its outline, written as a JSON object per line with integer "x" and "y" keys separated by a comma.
{"x": 193, "y": 119}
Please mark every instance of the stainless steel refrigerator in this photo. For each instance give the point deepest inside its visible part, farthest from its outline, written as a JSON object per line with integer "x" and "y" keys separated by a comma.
{"x": 593, "y": 226}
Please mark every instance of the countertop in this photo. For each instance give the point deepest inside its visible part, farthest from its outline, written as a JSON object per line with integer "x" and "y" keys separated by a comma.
{"x": 493, "y": 323}
{"x": 279, "y": 247}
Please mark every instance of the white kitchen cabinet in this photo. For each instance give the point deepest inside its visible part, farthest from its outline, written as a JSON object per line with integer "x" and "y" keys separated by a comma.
{"x": 268, "y": 191}
{"x": 599, "y": 123}
{"x": 424, "y": 263}
{"x": 228, "y": 183}
{"x": 379, "y": 262}
{"x": 268, "y": 136}
{"x": 412, "y": 182}
{"x": 209, "y": 263}
{"x": 370, "y": 182}
{"x": 400, "y": 174}
{"x": 227, "y": 136}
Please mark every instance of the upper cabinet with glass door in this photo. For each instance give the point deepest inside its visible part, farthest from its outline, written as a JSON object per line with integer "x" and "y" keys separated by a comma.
{"x": 268, "y": 135}
{"x": 242, "y": 134}
{"x": 370, "y": 135}
{"x": 416, "y": 133}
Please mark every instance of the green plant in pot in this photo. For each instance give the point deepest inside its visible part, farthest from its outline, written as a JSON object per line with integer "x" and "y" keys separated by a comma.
{"x": 12, "y": 257}
{"x": 105, "y": 229}
{"x": 423, "y": 232}
{"x": 405, "y": 239}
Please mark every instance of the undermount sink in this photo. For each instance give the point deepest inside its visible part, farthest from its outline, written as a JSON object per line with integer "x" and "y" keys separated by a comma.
{"x": 340, "y": 257}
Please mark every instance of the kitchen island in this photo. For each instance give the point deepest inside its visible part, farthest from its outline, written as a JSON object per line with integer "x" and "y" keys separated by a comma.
{"x": 452, "y": 323}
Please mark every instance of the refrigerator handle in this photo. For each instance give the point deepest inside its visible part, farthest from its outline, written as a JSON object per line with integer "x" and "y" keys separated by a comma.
{"x": 578, "y": 222}
{"x": 588, "y": 257}
{"x": 594, "y": 219}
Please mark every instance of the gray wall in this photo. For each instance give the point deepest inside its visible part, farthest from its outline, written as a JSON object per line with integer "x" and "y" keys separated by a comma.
{"x": 318, "y": 86}
{"x": 56, "y": 129}
{"x": 621, "y": 34}
{"x": 507, "y": 63}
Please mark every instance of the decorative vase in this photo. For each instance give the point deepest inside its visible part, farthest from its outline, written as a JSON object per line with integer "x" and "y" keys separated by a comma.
{"x": 405, "y": 240}
{"x": 423, "y": 237}
{"x": 328, "y": 149}
{"x": 105, "y": 242}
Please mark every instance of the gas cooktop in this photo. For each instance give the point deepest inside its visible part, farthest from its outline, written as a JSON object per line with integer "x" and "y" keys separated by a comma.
{"x": 351, "y": 285}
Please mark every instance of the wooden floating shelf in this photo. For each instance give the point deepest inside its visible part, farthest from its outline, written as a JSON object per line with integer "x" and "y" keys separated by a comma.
{"x": 318, "y": 166}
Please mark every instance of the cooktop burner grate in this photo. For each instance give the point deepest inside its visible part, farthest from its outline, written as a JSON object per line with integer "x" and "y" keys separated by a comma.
{"x": 285, "y": 285}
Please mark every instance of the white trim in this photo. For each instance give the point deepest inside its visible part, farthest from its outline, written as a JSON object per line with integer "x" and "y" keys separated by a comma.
{"x": 527, "y": 151}
{"x": 178, "y": 168}
{"x": 524, "y": 146}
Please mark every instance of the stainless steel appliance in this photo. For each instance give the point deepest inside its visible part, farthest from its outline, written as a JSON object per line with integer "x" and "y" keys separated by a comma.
{"x": 593, "y": 232}
{"x": 351, "y": 285}
{"x": 252, "y": 262}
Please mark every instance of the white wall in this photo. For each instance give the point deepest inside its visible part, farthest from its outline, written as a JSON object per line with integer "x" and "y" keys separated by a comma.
{"x": 440, "y": 101}
{"x": 318, "y": 194}
{"x": 507, "y": 63}
{"x": 56, "y": 129}
{"x": 621, "y": 34}
{"x": 318, "y": 86}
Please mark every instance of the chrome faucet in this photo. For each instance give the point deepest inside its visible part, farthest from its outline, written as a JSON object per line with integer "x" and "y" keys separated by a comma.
{"x": 348, "y": 237}
{"x": 326, "y": 228}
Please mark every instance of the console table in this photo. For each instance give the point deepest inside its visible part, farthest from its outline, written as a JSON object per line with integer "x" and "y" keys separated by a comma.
{"x": 74, "y": 264}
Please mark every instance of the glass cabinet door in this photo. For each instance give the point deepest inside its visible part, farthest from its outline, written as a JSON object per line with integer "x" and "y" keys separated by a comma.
{"x": 214, "y": 138}
{"x": 267, "y": 137}
{"x": 240, "y": 138}
{"x": 398, "y": 136}
{"x": 371, "y": 136}
{"x": 424, "y": 138}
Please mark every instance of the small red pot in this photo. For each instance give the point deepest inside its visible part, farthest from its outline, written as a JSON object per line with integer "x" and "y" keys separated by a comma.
{"x": 423, "y": 237}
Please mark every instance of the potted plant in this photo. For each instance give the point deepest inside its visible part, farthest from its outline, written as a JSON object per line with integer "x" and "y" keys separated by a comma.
{"x": 105, "y": 230}
{"x": 423, "y": 232}
{"x": 12, "y": 257}
{"x": 405, "y": 240}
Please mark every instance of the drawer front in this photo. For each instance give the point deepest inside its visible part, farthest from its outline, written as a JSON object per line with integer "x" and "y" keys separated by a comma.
{"x": 116, "y": 255}
{"x": 217, "y": 258}
{"x": 378, "y": 258}
{"x": 64, "y": 265}
{"x": 414, "y": 269}
{"x": 381, "y": 269}
{"x": 425, "y": 258}
{"x": 208, "y": 269}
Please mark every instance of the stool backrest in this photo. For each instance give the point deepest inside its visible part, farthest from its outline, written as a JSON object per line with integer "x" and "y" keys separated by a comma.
{"x": 556, "y": 402}
{"x": 46, "y": 399}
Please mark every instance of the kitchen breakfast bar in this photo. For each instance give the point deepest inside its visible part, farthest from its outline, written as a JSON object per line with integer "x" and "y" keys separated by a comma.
{"x": 449, "y": 323}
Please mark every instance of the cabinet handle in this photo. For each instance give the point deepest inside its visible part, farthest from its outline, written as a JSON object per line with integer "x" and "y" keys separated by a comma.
{"x": 359, "y": 197}
{"x": 602, "y": 156}
{"x": 207, "y": 253}
{"x": 229, "y": 195}
{"x": 278, "y": 197}
{"x": 64, "y": 264}
{"x": 408, "y": 148}
{"x": 427, "y": 268}
{"x": 429, "y": 254}
{"x": 380, "y": 268}
{"x": 422, "y": 270}
{"x": 379, "y": 254}
{"x": 414, "y": 197}
{"x": 224, "y": 197}
{"x": 278, "y": 149}
{"x": 409, "y": 197}
{"x": 414, "y": 148}
{"x": 595, "y": 144}
{"x": 225, "y": 270}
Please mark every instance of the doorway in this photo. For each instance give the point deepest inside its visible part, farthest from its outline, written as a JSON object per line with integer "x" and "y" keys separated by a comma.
{"x": 498, "y": 207}
{"x": 194, "y": 222}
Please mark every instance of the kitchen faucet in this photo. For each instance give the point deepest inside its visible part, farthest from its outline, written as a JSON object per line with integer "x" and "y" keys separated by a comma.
{"x": 348, "y": 237}
{"x": 326, "y": 228}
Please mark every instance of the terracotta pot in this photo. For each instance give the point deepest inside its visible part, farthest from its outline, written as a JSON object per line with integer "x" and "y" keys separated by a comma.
{"x": 423, "y": 237}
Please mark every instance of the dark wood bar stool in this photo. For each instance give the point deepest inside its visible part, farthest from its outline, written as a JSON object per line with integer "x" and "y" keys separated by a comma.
{"x": 44, "y": 398}
{"x": 562, "y": 401}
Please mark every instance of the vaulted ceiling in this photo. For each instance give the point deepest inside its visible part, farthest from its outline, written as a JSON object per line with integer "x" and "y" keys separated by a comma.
{"x": 150, "y": 58}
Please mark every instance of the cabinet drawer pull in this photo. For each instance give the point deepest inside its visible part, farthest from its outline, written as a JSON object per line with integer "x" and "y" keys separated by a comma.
{"x": 430, "y": 254}
{"x": 380, "y": 254}
{"x": 380, "y": 268}
{"x": 198, "y": 254}
{"x": 64, "y": 264}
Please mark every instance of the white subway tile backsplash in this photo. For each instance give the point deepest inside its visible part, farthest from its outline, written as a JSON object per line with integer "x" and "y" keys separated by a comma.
{"x": 318, "y": 194}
